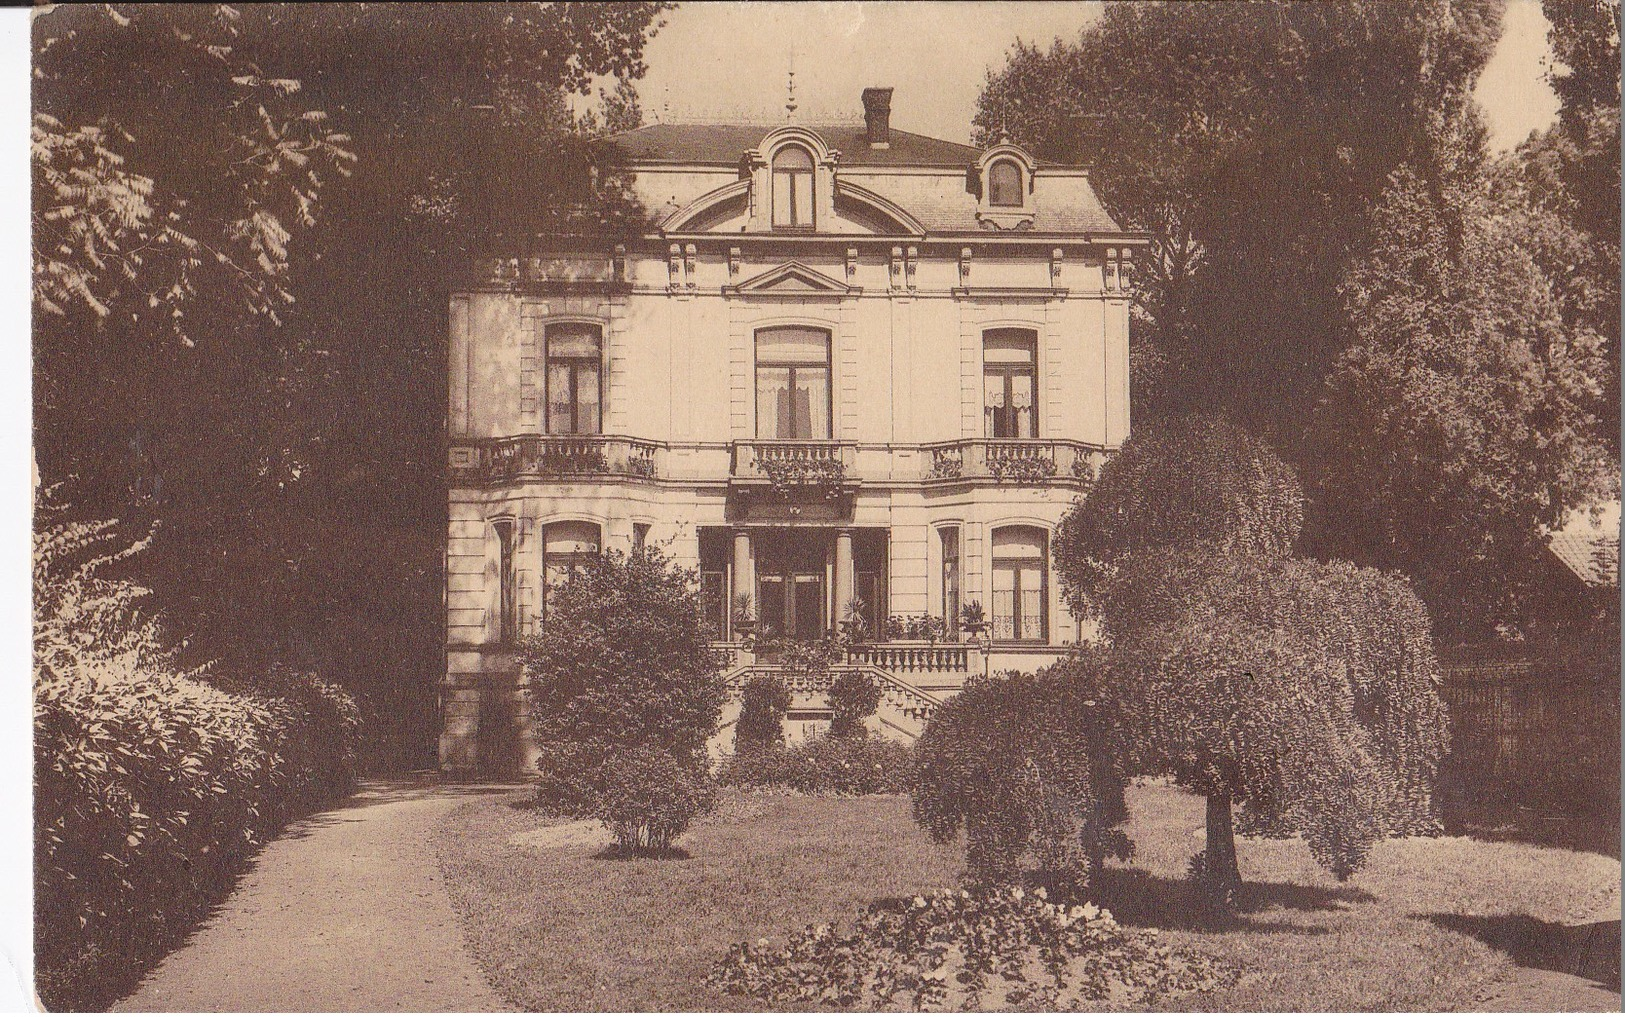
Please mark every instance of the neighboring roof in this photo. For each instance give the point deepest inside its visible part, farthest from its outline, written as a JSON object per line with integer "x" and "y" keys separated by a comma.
{"x": 723, "y": 144}
{"x": 1590, "y": 547}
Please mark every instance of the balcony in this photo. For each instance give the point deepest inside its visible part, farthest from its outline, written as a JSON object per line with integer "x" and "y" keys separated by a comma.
{"x": 1012, "y": 460}
{"x": 563, "y": 456}
{"x": 775, "y": 472}
{"x": 802, "y": 469}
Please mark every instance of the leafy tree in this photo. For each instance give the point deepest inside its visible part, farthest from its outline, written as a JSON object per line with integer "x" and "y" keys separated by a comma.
{"x": 853, "y": 698}
{"x": 1181, "y": 492}
{"x": 286, "y": 425}
{"x": 1306, "y": 691}
{"x": 1247, "y": 139}
{"x": 1463, "y": 419}
{"x": 1289, "y": 161}
{"x": 763, "y": 704}
{"x": 622, "y": 660}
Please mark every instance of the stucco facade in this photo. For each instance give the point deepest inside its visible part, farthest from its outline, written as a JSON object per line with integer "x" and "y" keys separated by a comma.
{"x": 849, "y": 368}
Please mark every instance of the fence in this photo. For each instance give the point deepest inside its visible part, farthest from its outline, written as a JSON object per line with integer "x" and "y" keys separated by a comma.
{"x": 1542, "y": 732}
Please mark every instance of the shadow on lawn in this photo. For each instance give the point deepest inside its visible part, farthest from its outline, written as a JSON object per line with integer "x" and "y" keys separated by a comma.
{"x": 1136, "y": 897}
{"x": 1590, "y": 951}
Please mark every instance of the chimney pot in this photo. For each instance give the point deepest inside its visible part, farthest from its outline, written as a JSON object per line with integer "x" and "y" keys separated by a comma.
{"x": 877, "y": 116}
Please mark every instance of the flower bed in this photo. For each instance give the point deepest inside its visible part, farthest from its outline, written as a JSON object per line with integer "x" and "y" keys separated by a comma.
{"x": 957, "y": 950}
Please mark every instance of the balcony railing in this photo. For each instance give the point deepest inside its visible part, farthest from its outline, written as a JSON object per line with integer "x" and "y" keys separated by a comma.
{"x": 1012, "y": 460}
{"x": 905, "y": 658}
{"x": 579, "y": 455}
{"x": 788, "y": 467}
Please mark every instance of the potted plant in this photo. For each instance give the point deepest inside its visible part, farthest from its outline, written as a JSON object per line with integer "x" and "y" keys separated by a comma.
{"x": 855, "y": 626}
{"x": 744, "y": 617}
{"x": 972, "y": 620}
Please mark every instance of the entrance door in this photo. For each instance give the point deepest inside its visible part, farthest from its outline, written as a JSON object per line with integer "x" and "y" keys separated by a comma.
{"x": 790, "y": 584}
{"x": 792, "y": 603}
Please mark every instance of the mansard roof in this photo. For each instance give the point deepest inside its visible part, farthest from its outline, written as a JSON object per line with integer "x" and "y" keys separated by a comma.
{"x": 723, "y": 144}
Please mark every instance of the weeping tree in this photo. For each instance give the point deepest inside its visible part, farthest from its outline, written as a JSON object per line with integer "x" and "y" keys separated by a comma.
{"x": 1306, "y": 692}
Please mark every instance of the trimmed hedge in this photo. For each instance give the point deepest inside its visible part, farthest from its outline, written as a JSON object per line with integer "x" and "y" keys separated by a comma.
{"x": 824, "y": 765}
{"x": 153, "y": 785}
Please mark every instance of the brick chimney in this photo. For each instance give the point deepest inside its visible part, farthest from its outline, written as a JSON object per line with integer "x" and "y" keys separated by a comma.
{"x": 877, "y": 116}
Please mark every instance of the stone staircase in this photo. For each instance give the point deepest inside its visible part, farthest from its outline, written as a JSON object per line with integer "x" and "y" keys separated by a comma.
{"x": 904, "y": 709}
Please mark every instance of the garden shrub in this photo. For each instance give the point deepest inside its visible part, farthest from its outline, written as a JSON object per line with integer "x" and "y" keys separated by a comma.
{"x": 647, "y": 798}
{"x": 853, "y": 698}
{"x": 824, "y": 766}
{"x": 763, "y": 704}
{"x": 1306, "y": 692}
{"x": 153, "y": 784}
{"x": 957, "y": 950}
{"x": 1022, "y": 763}
{"x": 623, "y": 661}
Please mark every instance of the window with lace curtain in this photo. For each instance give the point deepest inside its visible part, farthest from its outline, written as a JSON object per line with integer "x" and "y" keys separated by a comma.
{"x": 1004, "y": 184}
{"x": 1020, "y": 584}
{"x": 1010, "y": 375}
{"x": 792, "y": 383}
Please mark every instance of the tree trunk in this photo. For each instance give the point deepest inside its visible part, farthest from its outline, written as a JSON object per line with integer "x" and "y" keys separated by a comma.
{"x": 1222, "y": 874}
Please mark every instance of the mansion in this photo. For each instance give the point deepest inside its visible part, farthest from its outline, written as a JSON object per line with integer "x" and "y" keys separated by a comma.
{"x": 850, "y": 375}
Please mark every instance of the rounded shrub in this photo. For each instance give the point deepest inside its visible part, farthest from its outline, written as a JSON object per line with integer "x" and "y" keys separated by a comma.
{"x": 853, "y": 698}
{"x": 763, "y": 704}
{"x": 646, "y": 797}
{"x": 1022, "y": 763}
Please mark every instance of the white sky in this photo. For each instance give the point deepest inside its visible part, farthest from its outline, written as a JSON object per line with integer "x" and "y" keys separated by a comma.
{"x": 728, "y": 61}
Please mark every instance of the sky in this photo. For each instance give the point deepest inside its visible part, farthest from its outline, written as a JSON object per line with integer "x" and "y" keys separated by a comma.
{"x": 729, "y": 61}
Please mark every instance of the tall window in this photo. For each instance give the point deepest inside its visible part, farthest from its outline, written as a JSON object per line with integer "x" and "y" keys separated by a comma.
{"x": 574, "y": 378}
{"x": 1020, "y": 584}
{"x": 793, "y": 188}
{"x": 565, "y": 545}
{"x": 1010, "y": 358}
{"x": 792, "y": 383}
{"x": 507, "y": 584}
{"x": 950, "y": 578}
{"x": 1004, "y": 184}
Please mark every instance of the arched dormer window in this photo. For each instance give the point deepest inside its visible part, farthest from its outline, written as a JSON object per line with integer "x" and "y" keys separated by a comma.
{"x": 1004, "y": 184}
{"x": 792, "y": 188}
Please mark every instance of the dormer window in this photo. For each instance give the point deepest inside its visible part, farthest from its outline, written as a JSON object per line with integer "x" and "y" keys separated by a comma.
{"x": 792, "y": 188}
{"x": 1004, "y": 184}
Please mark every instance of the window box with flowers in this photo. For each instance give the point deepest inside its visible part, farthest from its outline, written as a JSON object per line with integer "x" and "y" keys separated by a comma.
{"x": 1021, "y": 466}
{"x": 788, "y": 475}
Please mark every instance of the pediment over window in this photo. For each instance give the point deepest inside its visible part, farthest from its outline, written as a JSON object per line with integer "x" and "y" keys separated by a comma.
{"x": 791, "y": 279}
{"x": 854, "y": 211}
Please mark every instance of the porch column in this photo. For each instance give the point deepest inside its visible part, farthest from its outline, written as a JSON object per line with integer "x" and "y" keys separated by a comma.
{"x": 744, "y": 577}
{"x": 845, "y": 578}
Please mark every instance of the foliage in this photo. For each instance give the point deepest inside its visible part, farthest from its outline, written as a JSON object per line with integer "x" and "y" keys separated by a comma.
{"x": 823, "y": 765}
{"x": 1022, "y": 763}
{"x": 622, "y": 661}
{"x": 646, "y": 797}
{"x": 956, "y": 950}
{"x": 1177, "y": 485}
{"x": 1246, "y": 138}
{"x": 152, "y": 783}
{"x": 1463, "y": 419}
{"x": 1283, "y": 157}
{"x": 258, "y": 445}
{"x": 853, "y": 698}
{"x": 916, "y": 626}
{"x": 764, "y": 702}
{"x": 788, "y": 474}
{"x": 1021, "y": 466}
{"x": 1307, "y": 690}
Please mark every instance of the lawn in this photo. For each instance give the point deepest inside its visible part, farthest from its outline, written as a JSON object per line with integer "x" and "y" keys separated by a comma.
{"x": 557, "y": 927}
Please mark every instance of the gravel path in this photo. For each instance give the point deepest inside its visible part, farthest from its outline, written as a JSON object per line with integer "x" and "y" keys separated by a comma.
{"x": 344, "y": 912}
